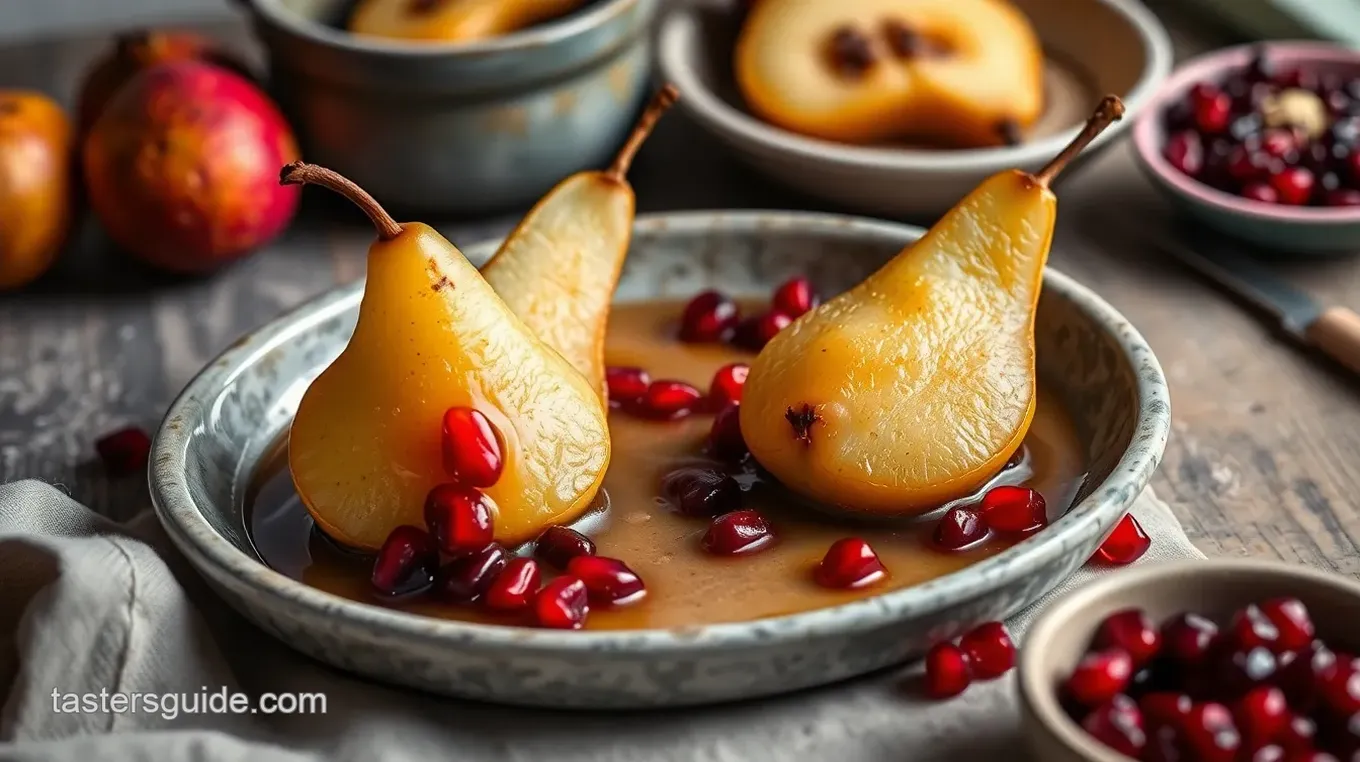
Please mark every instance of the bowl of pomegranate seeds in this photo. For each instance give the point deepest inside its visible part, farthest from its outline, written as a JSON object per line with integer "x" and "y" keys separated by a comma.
{"x": 1217, "y": 661}
{"x": 1262, "y": 142}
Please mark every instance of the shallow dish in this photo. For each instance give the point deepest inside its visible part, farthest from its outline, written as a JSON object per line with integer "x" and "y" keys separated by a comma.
{"x": 1093, "y": 47}
{"x": 459, "y": 127}
{"x": 1214, "y": 588}
{"x": 228, "y": 421}
{"x": 1292, "y": 229}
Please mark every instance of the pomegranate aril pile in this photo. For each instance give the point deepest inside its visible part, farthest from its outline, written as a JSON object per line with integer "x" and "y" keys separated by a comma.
{"x": 985, "y": 652}
{"x": 1290, "y": 137}
{"x": 712, "y": 317}
{"x": 124, "y": 452}
{"x": 1259, "y": 687}
{"x": 1007, "y": 509}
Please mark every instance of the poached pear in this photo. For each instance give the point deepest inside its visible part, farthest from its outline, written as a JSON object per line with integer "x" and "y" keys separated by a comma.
{"x": 558, "y": 269}
{"x": 914, "y": 387}
{"x": 365, "y": 445}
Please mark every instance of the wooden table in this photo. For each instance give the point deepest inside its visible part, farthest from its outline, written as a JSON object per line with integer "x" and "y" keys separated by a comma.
{"x": 1261, "y": 461}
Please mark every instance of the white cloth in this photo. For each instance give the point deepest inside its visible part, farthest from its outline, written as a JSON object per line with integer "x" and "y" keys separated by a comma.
{"x": 88, "y": 605}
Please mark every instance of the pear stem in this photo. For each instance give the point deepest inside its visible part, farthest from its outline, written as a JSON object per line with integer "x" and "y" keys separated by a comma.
{"x": 1110, "y": 110}
{"x": 302, "y": 173}
{"x": 661, "y": 102}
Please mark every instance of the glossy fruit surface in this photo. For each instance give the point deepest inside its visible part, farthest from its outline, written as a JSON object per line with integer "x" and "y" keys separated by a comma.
{"x": 35, "y": 185}
{"x": 1014, "y": 509}
{"x": 991, "y": 653}
{"x": 609, "y": 581}
{"x": 558, "y": 545}
{"x": 514, "y": 587}
{"x": 794, "y": 297}
{"x": 725, "y": 440}
{"x": 1119, "y": 725}
{"x": 427, "y": 314}
{"x": 709, "y": 317}
{"x": 467, "y": 577}
{"x": 849, "y": 563}
{"x": 472, "y": 448}
{"x": 182, "y": 167}
{"x": 737, "y": 532}
{"x": 1132, "y": 631}
{"x": 405, "y": 563}
{"x": 562, "y": 604}
{"x": 1100, "y": 676}
{"x": 626, "y": 384}
{"x": 947, "y": 672}
{"x": 961, "y": 527}
{"x": 1126, "y": 544}
{"x": 725, "y": 388}
{"x": 700, "y": 491}
{"x": 668, "y": 399}
{"x": 461, "y": 519}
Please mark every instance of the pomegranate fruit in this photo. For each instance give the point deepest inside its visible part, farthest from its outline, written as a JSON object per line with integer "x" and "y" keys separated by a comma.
{"x": 849, "y": 563}
{"x": 1014, "y": 509}
{"x": 1209, "y": 733}
{"x": 607, "y": 580}
{"x": 1188, "y": 637}
{"x": 754, "y": 333}
{"x": 1100, "y": 676}
{"x": 699, "y": 491}
{"x": 465, "y": 578}
{"x": 1261, "y": 716}
{"x": 562, "y": 604}
{"x": 737, "y": 532}
{"x": 1126, "y": 544}
{"x": 125, "y": 451}
{"x": 725, "y": 440}
{"x": 472, "y": 448}
{"x": 1293, "y": 626}
{"x": 1119, "y": 725}
{"x": 668, "y": 400}
{"x": 406, "y": 563}
{"x": 794, "y": 297}
{"x": 708, "y": 317}
{"x": 626, "y": 384}
{"x": 990, "y": 651}
{"x": 1131, "y": 631}
{"x": 947, "y": 671}
{"x": 558, "y": 545}
{"x": 960, "y": 527}
{"x": 725, "y": 388}
{"x": 460, "y": 518}
{"x": 514, "y": 588}
{"x": 182, "y": 167}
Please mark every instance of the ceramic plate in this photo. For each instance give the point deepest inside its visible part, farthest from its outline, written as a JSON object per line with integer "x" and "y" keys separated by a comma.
{"x": 231, "y": 417}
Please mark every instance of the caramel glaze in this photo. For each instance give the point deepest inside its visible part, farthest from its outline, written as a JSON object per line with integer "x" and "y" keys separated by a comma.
{"x": 685, "y": 586}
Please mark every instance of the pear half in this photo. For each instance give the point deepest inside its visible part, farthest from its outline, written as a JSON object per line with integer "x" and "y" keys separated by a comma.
{"x": 364, "y": 448}
{"x": 916, "y": 386}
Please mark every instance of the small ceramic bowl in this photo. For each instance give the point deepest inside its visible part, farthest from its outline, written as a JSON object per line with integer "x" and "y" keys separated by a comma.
{"x": 458, "y": 128}
{"x": 1060, "y": 635}
{"x": 231, "y": 418}
{"x": 1303, "y": 230}
{"x": 1093, "y": 47}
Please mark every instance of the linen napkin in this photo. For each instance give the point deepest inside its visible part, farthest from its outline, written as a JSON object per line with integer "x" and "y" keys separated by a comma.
{"x": 87, "y": 605}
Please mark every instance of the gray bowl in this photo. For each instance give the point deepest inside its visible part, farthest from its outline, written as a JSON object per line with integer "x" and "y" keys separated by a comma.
{"x": 458, "y": 128}
{"x": 232, "y": 415}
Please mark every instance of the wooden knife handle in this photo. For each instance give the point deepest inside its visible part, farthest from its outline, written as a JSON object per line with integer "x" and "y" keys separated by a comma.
{"x": 1337, "y": 333}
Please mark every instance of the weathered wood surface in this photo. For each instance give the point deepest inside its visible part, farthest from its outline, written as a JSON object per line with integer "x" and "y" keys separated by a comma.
{"x": 1262, "y": 460}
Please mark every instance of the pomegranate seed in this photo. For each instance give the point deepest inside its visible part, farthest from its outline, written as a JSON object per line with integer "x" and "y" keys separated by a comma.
{"x": 1132, "y": 631}
{"x": 1213, "y": 108}
{"x": 125, "y": 451}
{"x": 1279, "y": 143}
{"x": 1119, "y": 725}
{"x": 1188, "y": 637}
{"x": 1263, "y": 192}
{"x": 406, "y": 562}
{"x": 1339, "y": 688}
{"x": 947, "y": 671}
{"x": 472, "y": 448}
{"x": 725, "y": 389}
{"x": 1297, "y": 737}
{"x": 1099, "y": 676}
{"x": 1164, "y": 708}
{"x": 1343, "y": 197}
{"x": 669, "y": 400}
{"x": 1238, "y": 670}
{"x": 737, "y": 532}
{"x": 608, "y": 580}
{"x": 959, "y": 528}
{"x": 514, "y": 588}
{"x": 460, "y": 518}
{"x": 1014, "y": 509}
{"x": 626, "y": 383}
{"x": 795, "y": 297}
{"x": 1185, "y": 152}
{"x": 696, "y": 491}
{"x": 755, "y": 333}
{"x": 849, "y": 563}
{"x": 1267, "y": 753}
{"x": 465, "y": 578}
{"x": 1300, "y": 677}
{"x": 1262, "y": 716}
{"x": 562, "y": 604}
{"x": 1126, "y": 544}
{"x": 1245, "y": 165}
{"x": 1311, "y": 755}
{"x": 1249, "y": 628}
{"x": 558, "y": 545}
{"x": 1294, "y": 628}
{"x": 1209, "y": 733}
{"x": 990, "y": 650}
{"x": 725, "y": 440}
{"x": 1294, "y": 185}
{"x": 709, "y": 317}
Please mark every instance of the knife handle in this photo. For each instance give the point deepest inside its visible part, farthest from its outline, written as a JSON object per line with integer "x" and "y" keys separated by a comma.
{"x": 1336, "y": 332}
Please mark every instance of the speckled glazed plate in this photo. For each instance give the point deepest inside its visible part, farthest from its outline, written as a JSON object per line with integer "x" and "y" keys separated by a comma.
{"x": 229, "y": 419}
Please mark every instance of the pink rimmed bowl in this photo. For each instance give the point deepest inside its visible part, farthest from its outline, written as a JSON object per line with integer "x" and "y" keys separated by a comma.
{"x": 1301, "y": 230}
